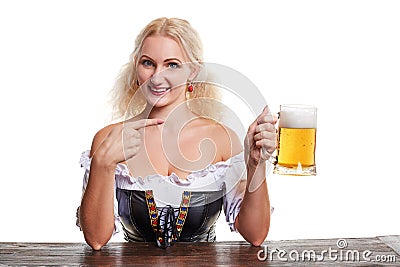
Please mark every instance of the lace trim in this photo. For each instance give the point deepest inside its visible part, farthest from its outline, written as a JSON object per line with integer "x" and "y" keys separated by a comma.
{"x": 122, "y": 170}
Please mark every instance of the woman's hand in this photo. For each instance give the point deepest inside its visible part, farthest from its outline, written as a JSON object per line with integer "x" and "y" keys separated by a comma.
{"x": 261, "y": 139}
{"x": 122, "y": 142}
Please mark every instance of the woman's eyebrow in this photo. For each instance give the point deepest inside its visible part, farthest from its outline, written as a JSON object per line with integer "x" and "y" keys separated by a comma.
{"x": 165, "y": 60}
{"x": 173, "y": 59}
{"x": 146, "y": 57}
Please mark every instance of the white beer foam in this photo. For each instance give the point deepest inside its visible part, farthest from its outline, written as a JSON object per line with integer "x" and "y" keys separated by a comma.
{"x": 298, "y": 118}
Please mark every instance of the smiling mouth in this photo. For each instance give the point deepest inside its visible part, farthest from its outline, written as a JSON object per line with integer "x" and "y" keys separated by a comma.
{"x": 159, "y": 91}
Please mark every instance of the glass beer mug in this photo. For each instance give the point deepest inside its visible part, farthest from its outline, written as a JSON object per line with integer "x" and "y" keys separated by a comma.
{"x": 296, "y": 140}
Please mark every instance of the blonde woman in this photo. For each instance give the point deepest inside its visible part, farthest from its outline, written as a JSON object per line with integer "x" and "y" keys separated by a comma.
{"x": 167, "y": 170}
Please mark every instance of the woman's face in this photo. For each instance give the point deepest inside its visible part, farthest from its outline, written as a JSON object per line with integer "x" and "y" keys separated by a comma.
{"x": 162, "y": 71}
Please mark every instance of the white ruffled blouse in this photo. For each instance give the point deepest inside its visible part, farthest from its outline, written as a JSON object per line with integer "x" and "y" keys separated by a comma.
{"x": 229, "y": 175}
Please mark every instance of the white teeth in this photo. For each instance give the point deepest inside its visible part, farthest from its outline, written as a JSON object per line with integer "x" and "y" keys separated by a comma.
{"x": 159, "y": 90}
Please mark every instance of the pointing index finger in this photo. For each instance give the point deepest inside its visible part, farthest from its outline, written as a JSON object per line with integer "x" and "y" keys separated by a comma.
{"x": 146, "y": 122}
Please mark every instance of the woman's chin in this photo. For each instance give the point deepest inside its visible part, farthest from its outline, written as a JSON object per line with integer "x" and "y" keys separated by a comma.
{"x": 157, "y": 103}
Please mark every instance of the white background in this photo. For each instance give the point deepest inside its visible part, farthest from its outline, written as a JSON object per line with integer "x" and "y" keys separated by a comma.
{"x": 59, "y": 59}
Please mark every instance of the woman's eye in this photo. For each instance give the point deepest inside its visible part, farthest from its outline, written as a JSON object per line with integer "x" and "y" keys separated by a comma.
{"x": 173, "y": 65}
{"x": 147, "y": 63}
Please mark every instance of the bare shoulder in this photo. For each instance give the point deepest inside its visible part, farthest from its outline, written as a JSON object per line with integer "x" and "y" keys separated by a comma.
{"x": 101, "y": 135}
{"x": 230, "y": 143}
{"x": 227, "y": 141}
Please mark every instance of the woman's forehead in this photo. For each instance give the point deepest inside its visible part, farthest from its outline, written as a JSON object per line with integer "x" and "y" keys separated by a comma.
{"x": 162, "y": 47}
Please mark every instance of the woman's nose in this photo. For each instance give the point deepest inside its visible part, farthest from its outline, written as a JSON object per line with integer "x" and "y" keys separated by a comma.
{"x": 158, "y": 77}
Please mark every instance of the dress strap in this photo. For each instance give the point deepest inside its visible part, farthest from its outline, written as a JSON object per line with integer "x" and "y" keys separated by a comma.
{"x": 151, "y": 206}
{"x": 183, "y": 210}
{"x": 166, "y": 226}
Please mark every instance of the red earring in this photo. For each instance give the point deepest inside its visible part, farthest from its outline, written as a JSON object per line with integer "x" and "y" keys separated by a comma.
{"x": 190, "y": 87}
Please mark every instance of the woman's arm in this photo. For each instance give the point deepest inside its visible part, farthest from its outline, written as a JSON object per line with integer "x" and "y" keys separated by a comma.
{"x": 253, "y": 220}
{"x": 108, "y": 149}
{"x": 97, "y": 206}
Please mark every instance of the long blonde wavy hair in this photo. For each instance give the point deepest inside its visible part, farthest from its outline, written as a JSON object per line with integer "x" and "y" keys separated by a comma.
{"x": 126, "y": 103}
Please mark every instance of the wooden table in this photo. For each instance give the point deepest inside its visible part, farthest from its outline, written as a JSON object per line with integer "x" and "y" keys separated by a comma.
{"x": 374, "y": 251}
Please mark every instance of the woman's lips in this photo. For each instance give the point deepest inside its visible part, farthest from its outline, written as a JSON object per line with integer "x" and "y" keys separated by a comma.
{"x": 159, "y": 91}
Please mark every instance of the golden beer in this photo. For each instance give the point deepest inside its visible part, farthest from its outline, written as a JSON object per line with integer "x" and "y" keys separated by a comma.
{"x": 296, "y": 146}
{"x": 296, "y": 140}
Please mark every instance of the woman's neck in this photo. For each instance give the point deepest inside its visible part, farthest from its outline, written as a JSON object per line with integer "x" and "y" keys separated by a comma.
{"x": 175, "y": 115}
